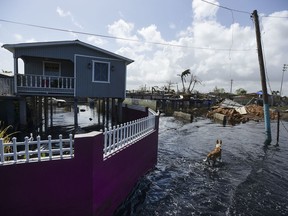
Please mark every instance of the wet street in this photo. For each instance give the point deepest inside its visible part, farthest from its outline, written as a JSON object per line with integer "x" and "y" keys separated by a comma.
{"x": 252, "y": 180}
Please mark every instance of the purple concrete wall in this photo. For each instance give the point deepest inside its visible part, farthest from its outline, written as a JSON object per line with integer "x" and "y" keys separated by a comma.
{"x": 130, "y": 114}
{"x": 62, "y": 187}
{"x": 117, "y": 175}
{"x": 84, "y": 185}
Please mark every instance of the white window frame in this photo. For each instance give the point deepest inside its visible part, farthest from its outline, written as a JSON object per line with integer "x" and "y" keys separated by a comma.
{"x": 51, "y": 62}
{"x": 93, "y": 72}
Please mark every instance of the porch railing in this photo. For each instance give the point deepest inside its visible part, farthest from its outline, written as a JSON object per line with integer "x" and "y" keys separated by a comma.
{"x": 6, "y": 86}
{"x": 41, "y": 81}
{"x": 123, "y": 135}
{"x": 38, "y": 150}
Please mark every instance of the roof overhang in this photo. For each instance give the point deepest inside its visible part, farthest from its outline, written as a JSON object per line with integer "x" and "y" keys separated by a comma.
{"x": 12, "y": 47}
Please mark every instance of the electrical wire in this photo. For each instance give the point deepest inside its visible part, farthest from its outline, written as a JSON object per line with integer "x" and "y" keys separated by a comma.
{"x": 284, "y": 126}
{"x": 125, "y": 39}
{"x": 270, "y": 16}
{"x": 241, "y": 11}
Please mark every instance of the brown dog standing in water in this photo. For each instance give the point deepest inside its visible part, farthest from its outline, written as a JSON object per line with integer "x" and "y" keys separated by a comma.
{"x": 216, "y": 153}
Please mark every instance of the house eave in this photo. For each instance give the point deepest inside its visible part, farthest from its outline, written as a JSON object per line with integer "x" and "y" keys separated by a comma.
{"x": 12, "y": 47}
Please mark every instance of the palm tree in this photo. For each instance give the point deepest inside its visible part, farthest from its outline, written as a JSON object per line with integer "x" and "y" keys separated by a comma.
{"x": 193, "y": 80}
{"x": 183, "y": 75}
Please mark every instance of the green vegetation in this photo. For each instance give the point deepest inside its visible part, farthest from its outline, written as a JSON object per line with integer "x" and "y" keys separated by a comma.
{"x": 241, "y": 91}
{"x": 217, "y": 90}
{"x": 6, "y": 136}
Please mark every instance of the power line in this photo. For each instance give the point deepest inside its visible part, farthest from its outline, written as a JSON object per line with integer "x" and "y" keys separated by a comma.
{"x": 284, "y": 126}
{"x": 240, "y": 11}
{"x": 66, "y": 30}
{"x": 269, "y": 16}
{"x": 122, "y": 38}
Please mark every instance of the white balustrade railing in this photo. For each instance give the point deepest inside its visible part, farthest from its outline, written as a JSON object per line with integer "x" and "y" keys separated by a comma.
{"x": 43, "y": 81}
{"x": 123, "y": 135}
{"x": 38, "y": 150}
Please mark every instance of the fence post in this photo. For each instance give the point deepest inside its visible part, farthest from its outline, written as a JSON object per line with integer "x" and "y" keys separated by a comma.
{"x": 26, "y": 149}
{"x": 38, "y": 148}
{"x": 131, "y": 130}
{"x": 113, "y": 137}
{"x": 14, "y": 139}
{"x": 117, "y": 136}
{"x": 71, "y": 144}
{"x": 105, "y": 141}
{"x": 61, "y": 146}
{"x": 121, "y": 135}
{"x": 110, "y": 140}
{"x": 50, "y": 147}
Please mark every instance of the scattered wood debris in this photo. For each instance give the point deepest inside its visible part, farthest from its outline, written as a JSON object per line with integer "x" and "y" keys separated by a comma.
{"x": 237, "y": 115}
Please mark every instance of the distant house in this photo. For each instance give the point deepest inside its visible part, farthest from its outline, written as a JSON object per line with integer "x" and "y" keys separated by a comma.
{"x": 6, "y": 85}
{"x": 68, "y": 69}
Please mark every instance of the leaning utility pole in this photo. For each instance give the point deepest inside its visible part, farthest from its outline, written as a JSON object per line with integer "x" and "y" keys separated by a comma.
{"x": 263, "y": 80}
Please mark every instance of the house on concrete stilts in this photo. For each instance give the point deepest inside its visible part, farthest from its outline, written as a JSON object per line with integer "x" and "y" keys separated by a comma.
{"x": 67, "y": 69}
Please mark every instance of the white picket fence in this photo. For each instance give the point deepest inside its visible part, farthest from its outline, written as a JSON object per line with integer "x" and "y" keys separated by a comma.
{"x": 115, "y": 139}
{"x": 124, "y": 135}
{"x": 35, "y": 151}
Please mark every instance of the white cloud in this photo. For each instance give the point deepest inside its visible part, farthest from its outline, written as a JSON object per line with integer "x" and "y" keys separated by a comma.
{"x": 31, "y": 40}
{"x": 122, "y": 29}
{"x": 151, "y": 34}
{"x": 63, "y": 13}
{"x": 18, "y": 37}
{"x": 202, "y": 10}
{"x": 215, "y": 66}
{"x": 96, "y": 40}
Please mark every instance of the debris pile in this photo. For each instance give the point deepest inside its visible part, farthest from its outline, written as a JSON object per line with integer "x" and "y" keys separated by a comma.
{"x": 257, "y": 111}
{"x": 236, "y": 114}
{"x": 232, "y": 116}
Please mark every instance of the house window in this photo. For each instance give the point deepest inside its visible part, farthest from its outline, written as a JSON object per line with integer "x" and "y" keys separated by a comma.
{"x": 51, "y": 68}
{"x": 101, "y": 72}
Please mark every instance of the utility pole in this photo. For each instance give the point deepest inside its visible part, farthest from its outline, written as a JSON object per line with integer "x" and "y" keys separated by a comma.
{"x": 285, "y": 67}
{"x": 231, "y": 86}
{"x": 263, "y": 79}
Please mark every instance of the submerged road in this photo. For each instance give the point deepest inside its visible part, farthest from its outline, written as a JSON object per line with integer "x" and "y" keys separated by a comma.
{"x": 252, "y": 180}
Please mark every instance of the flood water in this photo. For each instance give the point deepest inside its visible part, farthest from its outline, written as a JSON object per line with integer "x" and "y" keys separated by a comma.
{"x": 252, "y": 180}
{"x": 63, "y": 120}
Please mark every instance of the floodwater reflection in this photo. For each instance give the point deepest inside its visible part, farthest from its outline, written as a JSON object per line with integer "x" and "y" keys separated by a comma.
{"x": 251, "y": 181}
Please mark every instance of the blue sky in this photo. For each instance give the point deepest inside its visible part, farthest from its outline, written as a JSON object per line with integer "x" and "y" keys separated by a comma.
{"x": 184, "y": 23}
